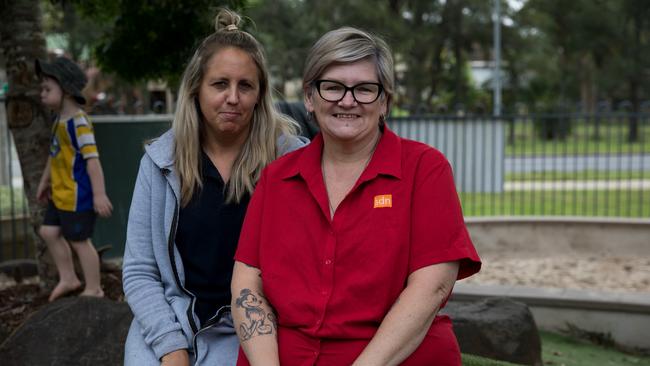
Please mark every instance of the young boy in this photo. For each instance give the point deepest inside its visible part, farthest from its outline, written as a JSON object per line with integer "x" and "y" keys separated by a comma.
{"x": 72, "y": 183}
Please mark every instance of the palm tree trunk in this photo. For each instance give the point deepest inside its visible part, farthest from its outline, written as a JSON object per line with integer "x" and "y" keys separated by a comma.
{"x": 21, "y": 42}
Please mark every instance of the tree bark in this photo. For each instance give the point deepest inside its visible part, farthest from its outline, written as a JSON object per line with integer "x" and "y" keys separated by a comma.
{"x": 21, "y": 42}
{"x": 633, "y": 131}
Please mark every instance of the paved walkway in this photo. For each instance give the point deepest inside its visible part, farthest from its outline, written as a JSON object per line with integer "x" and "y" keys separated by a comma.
{"x": 556, "y": 297}
{"x": 575, "y": 163}
{"x": 571, "y": 185}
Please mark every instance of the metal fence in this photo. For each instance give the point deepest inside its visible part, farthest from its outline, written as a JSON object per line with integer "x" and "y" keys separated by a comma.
{"x": 15, "y": 230}
{"x": 525, "y": 165}
{"x": 544, "y": 164}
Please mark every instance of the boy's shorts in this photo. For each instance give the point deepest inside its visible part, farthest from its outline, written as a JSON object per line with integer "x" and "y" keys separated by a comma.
{"x": 75, "y": 226}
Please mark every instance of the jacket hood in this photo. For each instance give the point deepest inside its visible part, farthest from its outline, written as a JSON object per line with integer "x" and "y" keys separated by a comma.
{"x": 161, "y": 150}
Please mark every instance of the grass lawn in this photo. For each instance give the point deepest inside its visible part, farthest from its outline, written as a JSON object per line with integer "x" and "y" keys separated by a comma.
{"x": 561, "y": 350}
{"x": 583, "y": 139}
{"x": 582, "y": 175}
{"x": 471, "y": 360}
{"x": 609, "y": 203}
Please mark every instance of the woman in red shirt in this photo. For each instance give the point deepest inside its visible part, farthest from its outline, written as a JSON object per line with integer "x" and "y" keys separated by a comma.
{"x": 351, "y": 245}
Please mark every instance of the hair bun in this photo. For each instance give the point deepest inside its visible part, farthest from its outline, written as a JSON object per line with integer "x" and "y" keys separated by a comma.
{"x": 227, "y": 20}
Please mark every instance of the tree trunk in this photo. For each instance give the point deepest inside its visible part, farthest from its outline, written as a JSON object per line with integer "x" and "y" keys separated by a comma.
{"x": 21, "y": 42}
{"x": 457, "y": 39}
{"x": 633, "y": 131}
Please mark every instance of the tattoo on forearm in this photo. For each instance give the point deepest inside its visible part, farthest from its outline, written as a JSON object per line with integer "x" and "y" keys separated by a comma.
{"x": 258, "y": 321}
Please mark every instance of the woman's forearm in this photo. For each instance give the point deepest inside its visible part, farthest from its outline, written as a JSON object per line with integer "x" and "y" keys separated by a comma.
{"x": 253, "y": 316}
{"x": 407, "y": 322}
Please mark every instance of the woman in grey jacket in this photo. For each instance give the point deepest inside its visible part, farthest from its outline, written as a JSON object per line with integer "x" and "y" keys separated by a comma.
{"x": 190, "y": 198}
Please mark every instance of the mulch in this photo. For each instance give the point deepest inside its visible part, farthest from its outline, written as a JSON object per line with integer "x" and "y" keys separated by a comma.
{"x": 18, "y": 302}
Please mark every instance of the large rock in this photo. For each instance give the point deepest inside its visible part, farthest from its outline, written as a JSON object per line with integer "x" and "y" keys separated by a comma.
{"x": 70, "y": 331}
{"x": 497, "y": 328}
{"x": 18, "y": 269}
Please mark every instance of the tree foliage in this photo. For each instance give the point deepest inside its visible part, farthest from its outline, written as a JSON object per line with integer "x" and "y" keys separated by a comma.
{"x": 150, "y": 39}
{"x": 555, "y": 53}
{"x": 591, "y": 47}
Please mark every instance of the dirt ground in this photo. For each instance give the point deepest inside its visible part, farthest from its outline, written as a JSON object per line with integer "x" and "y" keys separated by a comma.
{"x": 19, "y": 301}
{"x": 606, "y": 274}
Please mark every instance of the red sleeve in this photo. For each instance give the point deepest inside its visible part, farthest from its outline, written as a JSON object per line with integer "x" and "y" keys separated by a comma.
{"x": 249, "y": 239}
{"x": 438, "y": 232}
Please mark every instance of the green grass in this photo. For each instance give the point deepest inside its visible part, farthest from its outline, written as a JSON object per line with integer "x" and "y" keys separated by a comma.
{"x": 583, "y": 175}
{"x": 610, "y": 203}
{"x": 563, "y": 350}
{"x": 471, "y": 360}
{"x": 582, "y": 140}
{"x": 568, "y": 351}
{"x": 19, "y": 202}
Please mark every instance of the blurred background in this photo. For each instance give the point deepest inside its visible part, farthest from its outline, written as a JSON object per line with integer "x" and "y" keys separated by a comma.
{"x": 540, "y": 105}
{"x": 579, "y": 56}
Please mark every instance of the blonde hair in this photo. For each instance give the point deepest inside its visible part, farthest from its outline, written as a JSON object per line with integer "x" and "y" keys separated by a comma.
{"x": 347, "y": 45}
{"x": 266, "y": 124}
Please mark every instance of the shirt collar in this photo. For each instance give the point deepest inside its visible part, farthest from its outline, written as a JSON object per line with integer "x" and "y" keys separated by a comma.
{"x": 209, "y": 170}
{"x": 387, "y": 158}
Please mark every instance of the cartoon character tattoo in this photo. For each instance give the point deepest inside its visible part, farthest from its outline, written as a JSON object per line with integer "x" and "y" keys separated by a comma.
{"x": 258, "y": 321}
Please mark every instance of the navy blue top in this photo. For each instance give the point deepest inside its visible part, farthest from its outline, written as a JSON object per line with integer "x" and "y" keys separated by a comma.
{"x": 206, "y": 237}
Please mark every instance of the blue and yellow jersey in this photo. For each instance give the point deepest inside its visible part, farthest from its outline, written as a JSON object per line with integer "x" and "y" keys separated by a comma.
{"x": 73, "y": 142}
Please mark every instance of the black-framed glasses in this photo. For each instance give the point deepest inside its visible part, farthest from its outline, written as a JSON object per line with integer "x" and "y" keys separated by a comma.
{"x": 334, "y": 91}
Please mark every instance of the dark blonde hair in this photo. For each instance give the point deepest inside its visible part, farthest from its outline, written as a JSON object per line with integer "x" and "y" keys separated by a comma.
{"x": 266, "y": 125}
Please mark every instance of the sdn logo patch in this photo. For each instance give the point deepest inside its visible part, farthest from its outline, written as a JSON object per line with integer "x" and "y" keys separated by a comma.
{"x": 383, "y": 201}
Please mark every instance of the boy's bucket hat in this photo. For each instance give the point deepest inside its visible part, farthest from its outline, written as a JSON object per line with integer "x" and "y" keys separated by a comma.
{"x": 69, "y": 75}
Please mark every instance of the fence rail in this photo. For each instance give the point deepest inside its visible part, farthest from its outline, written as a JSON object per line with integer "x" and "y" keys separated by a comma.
{"x": 553, "y": 164}
{"x": 527, "y": 165}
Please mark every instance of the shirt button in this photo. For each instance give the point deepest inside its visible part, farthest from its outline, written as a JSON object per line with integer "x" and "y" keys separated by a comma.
{"x": 328, "y": 261}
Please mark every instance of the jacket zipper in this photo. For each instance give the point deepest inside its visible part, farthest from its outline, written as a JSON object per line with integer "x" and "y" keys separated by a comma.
{"x": 212, "y": 321}
{"x": 190, "y": 308}
{"x": 170, "y": 246}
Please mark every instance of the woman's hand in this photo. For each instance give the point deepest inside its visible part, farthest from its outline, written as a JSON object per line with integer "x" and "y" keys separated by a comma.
{"x": 408, "y": 321}
{"x": 176, "y": 358}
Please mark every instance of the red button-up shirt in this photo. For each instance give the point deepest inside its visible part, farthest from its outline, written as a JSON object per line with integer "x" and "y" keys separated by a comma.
{"x": 332, "y": 281}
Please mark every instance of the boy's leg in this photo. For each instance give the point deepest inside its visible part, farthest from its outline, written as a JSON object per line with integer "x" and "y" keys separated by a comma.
{"x": 89, "y": 260}
{"x": 62, "y": 256}
{"x": 77, "y": 228}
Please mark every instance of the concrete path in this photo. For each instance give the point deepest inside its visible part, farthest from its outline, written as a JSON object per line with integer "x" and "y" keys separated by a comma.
{"x": 571, "y": 185}
{"x": 576, "y": 163}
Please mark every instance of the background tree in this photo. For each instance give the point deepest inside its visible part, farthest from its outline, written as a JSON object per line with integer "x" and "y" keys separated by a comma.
{"x": 431, "y": 40}
{"x": 77, "y": 34}
{"x": 150, "y": 40}
{"x": 21, "y": 42}
{"x": 636, "y": 31}
{"x": 144, "y": 41}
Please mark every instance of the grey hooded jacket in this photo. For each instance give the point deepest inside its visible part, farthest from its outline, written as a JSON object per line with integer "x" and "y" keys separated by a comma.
{"x": 153, "y": 275}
